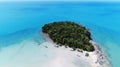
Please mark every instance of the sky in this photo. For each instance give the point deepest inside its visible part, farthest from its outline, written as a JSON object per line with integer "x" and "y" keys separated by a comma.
{"x": 59, "y": 0}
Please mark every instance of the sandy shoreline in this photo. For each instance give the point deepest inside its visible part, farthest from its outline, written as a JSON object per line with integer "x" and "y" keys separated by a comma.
{"x": 95, "y": 58}
{"x": 32, "y": 53}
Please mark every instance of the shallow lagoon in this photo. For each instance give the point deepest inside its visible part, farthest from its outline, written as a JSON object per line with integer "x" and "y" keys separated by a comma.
{"x": 21, "y": 21}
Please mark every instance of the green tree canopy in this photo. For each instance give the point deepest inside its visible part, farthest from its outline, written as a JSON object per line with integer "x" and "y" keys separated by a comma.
{"x": 69, "y": 34}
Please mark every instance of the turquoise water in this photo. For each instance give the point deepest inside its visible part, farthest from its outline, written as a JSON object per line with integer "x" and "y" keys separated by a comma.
{"x": 20, "y": 20}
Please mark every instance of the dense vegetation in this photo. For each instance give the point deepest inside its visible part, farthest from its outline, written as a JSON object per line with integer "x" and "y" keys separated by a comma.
{"x": 69, "y": 34}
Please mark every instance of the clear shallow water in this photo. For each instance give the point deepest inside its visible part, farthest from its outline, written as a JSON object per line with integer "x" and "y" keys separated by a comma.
{"x": 23, "y": 20}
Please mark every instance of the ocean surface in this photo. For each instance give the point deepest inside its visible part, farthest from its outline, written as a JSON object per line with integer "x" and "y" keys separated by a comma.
{"x": 20, "y": 21}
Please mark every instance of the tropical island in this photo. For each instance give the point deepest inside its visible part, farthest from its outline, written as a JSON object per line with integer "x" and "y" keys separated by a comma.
{"x": 69, "y": 34}
{"x": 77, "y": 39}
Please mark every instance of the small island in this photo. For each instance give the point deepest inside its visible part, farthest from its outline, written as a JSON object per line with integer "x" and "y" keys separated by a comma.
{"x": 69, "y": 34}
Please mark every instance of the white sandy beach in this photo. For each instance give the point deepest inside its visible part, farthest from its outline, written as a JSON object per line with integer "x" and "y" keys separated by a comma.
{"x": 30, "y": 54}
{"x": 95, "y": 59}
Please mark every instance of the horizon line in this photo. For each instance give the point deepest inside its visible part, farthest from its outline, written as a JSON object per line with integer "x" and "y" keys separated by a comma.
{"x": 60, "y": 1}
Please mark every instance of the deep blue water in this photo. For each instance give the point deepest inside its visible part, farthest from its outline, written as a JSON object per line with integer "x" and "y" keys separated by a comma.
{"x": 20, "y": 20}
